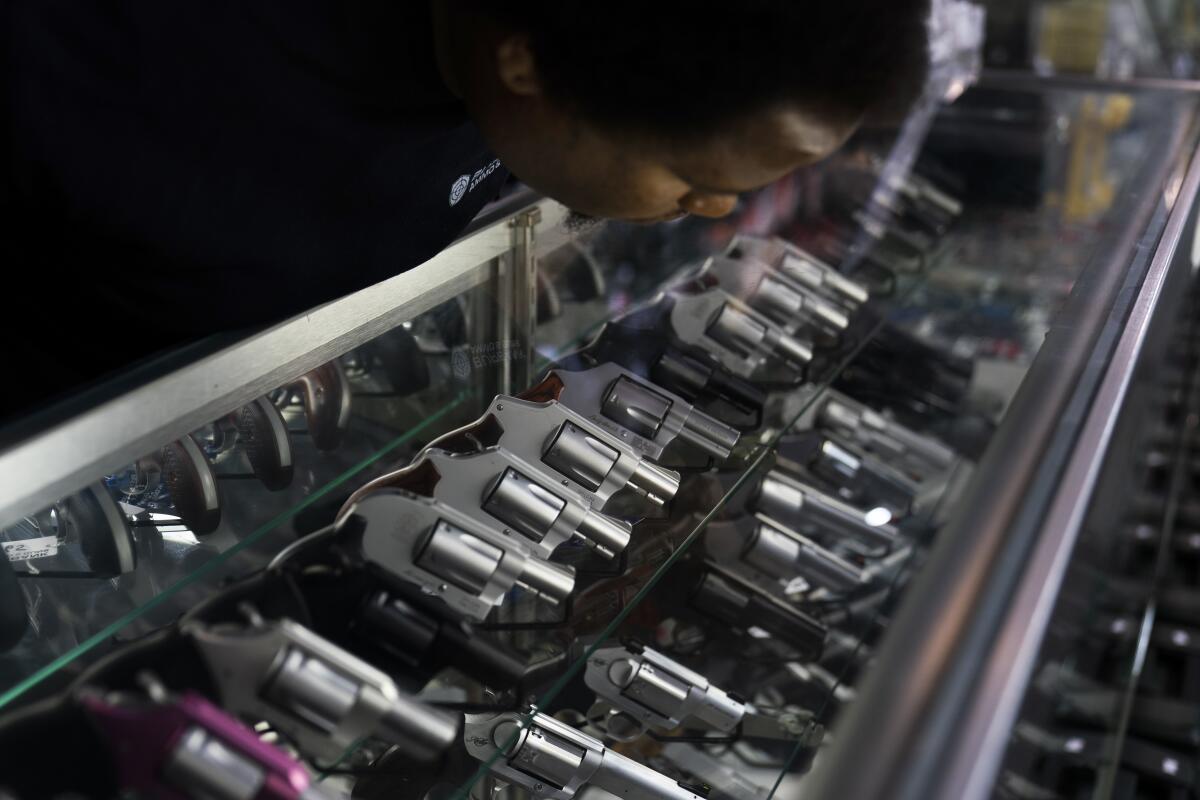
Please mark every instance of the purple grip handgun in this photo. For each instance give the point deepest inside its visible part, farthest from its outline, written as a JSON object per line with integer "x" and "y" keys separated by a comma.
{"x": 187, "y": 748}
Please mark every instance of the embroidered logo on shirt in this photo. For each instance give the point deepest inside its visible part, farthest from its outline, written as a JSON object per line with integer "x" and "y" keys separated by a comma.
{"x": 467, "y": 183}
{"x": 459, "y": 189}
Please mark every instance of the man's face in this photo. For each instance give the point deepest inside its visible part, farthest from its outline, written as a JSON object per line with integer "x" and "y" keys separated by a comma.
{"x": 641, "y": 178}
{"x": 627, "y": 174}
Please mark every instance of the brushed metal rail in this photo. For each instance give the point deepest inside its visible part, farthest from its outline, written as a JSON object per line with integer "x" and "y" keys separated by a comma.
{"x": 38, "y": 471}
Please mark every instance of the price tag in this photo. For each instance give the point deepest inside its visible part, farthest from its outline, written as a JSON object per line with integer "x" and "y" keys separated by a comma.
{"x": 29, "y": 549}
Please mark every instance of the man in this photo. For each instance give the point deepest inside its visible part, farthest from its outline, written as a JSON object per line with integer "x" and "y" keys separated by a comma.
{"x": 175, "y": 169}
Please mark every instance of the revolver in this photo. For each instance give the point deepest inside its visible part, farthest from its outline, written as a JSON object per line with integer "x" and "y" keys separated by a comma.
{"x": 768, "y": 553}
{"x": 844, "y": 471}
{"x": 185, "y": 748}
{"x": 801, "y": 267}
{"x": 917, "y": 454}
{"x": 697, "y": 591}
{"x": 787, "y": 302}
{"x": 638, "y": 412}
{"x": 318, "y": 695}
{"x": 593, "y": 462}
{"x": 448, "y": 553}
{"x": 800, "y": 507}
{"x": 638, "y": 342}
{"x": 739, "y": 338}
{"x": 554, "y": 761}
{"x": 919, "y": 383}
{"x": 381, "y": 618}
{"x": 508, "y": 494}
{"x": 647, "y": 689}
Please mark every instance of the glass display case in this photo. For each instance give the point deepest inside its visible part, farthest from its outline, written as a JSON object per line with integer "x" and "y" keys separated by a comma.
{"x": 704, "y": 509}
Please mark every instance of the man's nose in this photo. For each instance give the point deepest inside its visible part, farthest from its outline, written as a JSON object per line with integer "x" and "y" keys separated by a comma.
{"x": 705, "y": 204}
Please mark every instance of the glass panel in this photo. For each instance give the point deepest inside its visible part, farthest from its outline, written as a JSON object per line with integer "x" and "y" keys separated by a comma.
{"x": 790, "y": 438}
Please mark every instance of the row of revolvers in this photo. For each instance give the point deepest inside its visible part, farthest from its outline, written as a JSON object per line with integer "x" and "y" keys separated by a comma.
{"x": 327, "y": 646}
{"x": 1115, "y": 695}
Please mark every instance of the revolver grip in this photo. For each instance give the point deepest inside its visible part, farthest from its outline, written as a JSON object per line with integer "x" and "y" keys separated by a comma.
{"x": 268, "y": 444}
{"x": 326, "y": 404}
{"x": 549, "y": 389}
{"x": 104, "y": 533}
{"x": 193, "y": 488}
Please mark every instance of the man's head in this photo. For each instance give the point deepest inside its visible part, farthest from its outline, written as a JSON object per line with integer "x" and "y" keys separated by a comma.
{"x": 648, "y": 109}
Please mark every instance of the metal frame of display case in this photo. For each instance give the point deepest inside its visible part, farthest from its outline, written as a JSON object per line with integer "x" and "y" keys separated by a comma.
{"x": 936, "y": 722}
{"x": 44, "y": 467}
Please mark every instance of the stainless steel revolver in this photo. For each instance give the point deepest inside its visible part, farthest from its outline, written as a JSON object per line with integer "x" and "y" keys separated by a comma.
{"x": 643, "y": 414}
{"x": 780, "y": 297}
{"x": 595, "y": 462}
{"x": 739, "y": 338}
{"x": 802, "y": 267}
{"x": 450, "y": 554}
{"x": 646, "y": 689}
{"x": 554, "y": 761}
{"x": 499, "y": 489}
{"x": 312, "y": 691}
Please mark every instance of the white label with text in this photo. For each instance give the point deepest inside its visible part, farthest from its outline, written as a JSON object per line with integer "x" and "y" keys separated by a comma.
{"x": 29, "y": 549}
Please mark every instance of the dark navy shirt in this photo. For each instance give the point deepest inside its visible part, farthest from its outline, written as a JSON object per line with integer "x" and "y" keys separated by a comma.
{"x": 175, "y": 169}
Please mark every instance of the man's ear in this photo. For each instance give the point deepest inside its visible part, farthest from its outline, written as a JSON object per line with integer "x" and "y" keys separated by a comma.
{"x": 516, "y": 67}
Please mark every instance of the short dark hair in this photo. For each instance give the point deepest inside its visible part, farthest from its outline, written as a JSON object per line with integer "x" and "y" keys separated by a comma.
{"x": 685, "y": 66}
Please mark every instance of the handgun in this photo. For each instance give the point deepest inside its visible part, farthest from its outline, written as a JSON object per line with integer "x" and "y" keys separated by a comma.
{"x": 919, "y": 455}
{"x": 846, "y": 472}
{"x": 594, "y": 462}
{"x": 1081, "y": 700}
{"x": 643, "y": 414}
{"x": 554, "y": 761}
{"x": 697, "y": 591}
{"x": 767, "y": 553}
{"x": 315, "y": 693}
{"x": 639, "y": 342}
{"x": 739, "y": 338}
{"x": 919, "y": 383}
{"x": 646, "y": 689}
{"x": 448, "y": 553}
{"x": 802, "y": 267}
{"x": 373, "y": 613}
{"x": 805, "y": 509}
{"x": 1093, "y": 749}
{"x": 185, "y": 747}
{"x": 508, "y": 494}
{"x": 789, "y": 303}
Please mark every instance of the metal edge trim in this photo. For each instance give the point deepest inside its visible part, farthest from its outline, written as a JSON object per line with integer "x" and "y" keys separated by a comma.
{"x": 1034, "y": 599}
{"x": 42, "y": 469}
{"x": 921, "y": 659}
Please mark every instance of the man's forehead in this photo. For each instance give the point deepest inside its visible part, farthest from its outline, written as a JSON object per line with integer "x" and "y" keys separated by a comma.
{"x": 758, "y": 150}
